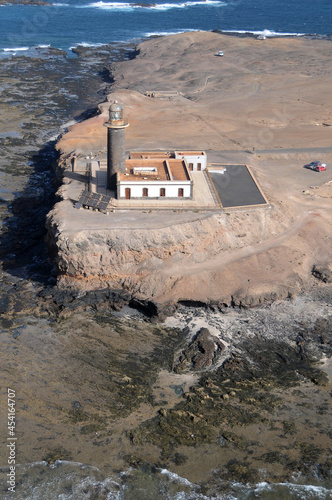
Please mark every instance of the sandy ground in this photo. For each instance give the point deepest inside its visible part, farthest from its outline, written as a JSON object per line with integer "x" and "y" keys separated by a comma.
{"x": 265, "y": 94}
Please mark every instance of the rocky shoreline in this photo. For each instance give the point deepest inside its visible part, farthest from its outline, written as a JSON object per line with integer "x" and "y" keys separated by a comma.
{"x": 215, "y": 387}
{"x": 243, "y": 409}
{"x": 236, "y": 394}
{"x": 243, "y": 394}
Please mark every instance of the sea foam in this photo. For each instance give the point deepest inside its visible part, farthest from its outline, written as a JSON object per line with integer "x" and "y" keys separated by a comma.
{"x": 16, "y": 49}
{"x": 86, "y": 45}
{"x": 265, "y": 32}
{"x": 153, "y": 6}
{"x": 166, "y": 33}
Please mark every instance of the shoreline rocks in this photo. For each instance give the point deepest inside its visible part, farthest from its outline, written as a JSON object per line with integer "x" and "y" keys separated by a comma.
{"x": 323, "y": 272}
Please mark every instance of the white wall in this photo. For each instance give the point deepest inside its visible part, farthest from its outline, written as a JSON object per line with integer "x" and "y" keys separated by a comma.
{"x": 194, "y": 159}
{"x": 171, "y": 188}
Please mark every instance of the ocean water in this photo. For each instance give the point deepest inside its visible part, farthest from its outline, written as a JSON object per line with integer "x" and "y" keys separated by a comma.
{"x": 67, "y": 24}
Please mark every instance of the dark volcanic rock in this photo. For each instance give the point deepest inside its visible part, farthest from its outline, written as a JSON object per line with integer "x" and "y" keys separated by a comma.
{"x": 201, "y": 353}
{"x": 323, "y": 272}
{"x": 33, "y": 119}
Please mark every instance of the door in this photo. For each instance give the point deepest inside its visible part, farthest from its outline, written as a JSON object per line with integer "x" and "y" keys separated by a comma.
{"x": 180, "y": 192}
{"x": 127, "y": 193}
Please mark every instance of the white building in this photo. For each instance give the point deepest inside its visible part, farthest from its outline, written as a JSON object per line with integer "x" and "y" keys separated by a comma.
{"x": 154, "y": 177}
{"x": 196, "y": 160}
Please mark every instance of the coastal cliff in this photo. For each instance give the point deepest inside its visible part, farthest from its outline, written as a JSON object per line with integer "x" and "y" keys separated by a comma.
{"x": 226, "y": 259}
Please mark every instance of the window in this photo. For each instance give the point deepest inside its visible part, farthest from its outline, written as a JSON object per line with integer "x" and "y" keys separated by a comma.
{"x": 199, "y": 167}
{"x": 145, "y": 192}
{"x": 191, "y": 166}
{"x": 162, "y": 192}
{"x": 180, "y": 192}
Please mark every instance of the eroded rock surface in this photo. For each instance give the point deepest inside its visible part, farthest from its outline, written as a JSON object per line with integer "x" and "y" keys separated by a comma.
{"x": 201, "y": 353}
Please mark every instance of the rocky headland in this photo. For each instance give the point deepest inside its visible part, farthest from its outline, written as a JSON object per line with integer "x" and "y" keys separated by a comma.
{"x": 215, "y": 394}
{"x": 264, "y": 103}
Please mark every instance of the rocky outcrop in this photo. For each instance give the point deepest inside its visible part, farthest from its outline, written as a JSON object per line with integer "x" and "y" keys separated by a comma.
{"x": 203, "y": 351}
{"x": 154, "y": 255}
{"x": 323, "y": 272}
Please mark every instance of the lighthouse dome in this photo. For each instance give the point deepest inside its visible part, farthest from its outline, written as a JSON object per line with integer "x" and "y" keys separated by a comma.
{"x": 115, "y": 111}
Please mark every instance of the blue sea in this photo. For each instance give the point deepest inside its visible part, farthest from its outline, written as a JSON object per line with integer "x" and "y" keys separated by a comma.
{"x": 67, "y": 24}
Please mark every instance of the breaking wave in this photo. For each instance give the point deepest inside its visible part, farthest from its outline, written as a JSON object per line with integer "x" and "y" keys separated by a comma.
{"x": 16, "y": 49}
{"x": 86, "y": 45}
{"x": 266, "y": 32}
{"x": 40, "y": 480}
{"x": 152, "y": 6}
{"x": 165, "y": 33}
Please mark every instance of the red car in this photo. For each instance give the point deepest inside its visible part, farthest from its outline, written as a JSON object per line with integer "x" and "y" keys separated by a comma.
{"x": 316, "y": 165}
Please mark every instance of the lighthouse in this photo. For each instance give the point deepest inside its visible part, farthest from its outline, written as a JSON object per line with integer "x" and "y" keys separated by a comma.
{"x": 116, "y": 153}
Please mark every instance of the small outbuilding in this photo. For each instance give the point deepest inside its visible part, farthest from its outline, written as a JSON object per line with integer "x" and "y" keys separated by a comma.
{"x": 196, "y": 160}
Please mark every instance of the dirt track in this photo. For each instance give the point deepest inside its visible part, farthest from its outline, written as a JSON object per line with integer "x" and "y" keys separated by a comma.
{"x": 237, "y": 255}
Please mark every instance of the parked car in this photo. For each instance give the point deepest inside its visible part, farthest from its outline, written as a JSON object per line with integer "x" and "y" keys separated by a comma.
{"x": 317, "y": 166}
